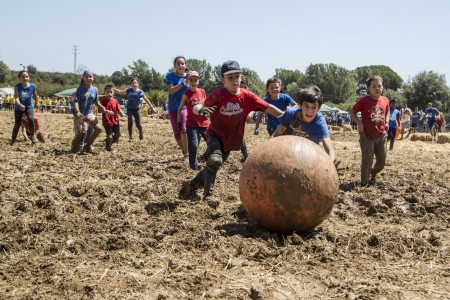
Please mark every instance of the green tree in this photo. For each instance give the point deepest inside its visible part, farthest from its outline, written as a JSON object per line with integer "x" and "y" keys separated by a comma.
{"x": 425, "y": 87}
{"x": 391, "y": 94}
{"x": 32, "y": 69}
{"x": 291, "y": 89}
{"x": 336, "y": 83}
{"x": 255, "y": 84}
{"x": 148, "y": 79}
{"x": 391, "y": 80}
{"x": 81, "y": 69}
{"x": 4, "y": 71}
{"x": 118, "y": 78}
{"x": 216, "y": 83}
{"x": 288, "y": 76}
{"x": 157, "y": 80}
{"x": 205, "y": 70}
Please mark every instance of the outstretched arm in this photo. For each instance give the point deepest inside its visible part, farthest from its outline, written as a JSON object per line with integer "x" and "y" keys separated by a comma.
{"x": 279, "y": 131}
{"x": 274, "y": 111}
{"x": 326, "y": 142}
{"x": 257, "y": 121}
{"x": 120, "y": 92}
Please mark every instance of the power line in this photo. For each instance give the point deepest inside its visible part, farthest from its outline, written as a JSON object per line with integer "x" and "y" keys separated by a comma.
{"x": 75, "y": 52}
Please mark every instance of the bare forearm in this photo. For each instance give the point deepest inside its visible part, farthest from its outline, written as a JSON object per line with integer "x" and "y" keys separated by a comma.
{"x": 274, "y": 111}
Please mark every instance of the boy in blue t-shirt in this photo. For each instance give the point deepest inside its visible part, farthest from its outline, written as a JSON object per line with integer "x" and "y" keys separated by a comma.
{"x": 307, "y": 121}
{"x": 394, "y": 122}
{"x": 277, "y": 99}
{"x": 415, "y": 119}
{"x": 431, "y": 114}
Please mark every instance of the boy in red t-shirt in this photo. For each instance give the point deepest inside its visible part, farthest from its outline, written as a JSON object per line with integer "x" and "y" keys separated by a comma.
{"x": 226, "y": 131}
{"x": 110, "y": 117}
{"x": 372, "y": 129}
{"x": 195, "y": 125}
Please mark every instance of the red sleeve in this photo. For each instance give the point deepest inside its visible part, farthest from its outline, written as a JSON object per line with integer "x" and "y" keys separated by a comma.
{"x": 357, "y": 107}
{"x": 258, "y": 104}
{"x": 212, "y": 99}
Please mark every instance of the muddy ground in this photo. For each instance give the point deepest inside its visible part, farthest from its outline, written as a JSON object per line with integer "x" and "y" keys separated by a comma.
{"x": 112, "y": 225}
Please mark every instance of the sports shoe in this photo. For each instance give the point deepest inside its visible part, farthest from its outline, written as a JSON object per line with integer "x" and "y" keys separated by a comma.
{"x": 186, "y": 188}
{"x": 88, "y": 149}
{"x": 34, "y": 139}
{"x": 211, "y": 200}
{"x": 141, "y": 135}
{"x": 108, "y": 147}
{"x": 12, "y": 142}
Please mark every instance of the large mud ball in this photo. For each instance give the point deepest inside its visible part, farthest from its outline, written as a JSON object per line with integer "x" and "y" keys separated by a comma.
{"x": 288, "y": 184}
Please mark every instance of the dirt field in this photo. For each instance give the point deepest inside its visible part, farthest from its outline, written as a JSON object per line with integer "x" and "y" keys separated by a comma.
{"x": 112, "y": 226}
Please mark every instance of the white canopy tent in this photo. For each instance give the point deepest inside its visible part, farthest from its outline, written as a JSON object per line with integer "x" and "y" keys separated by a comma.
{"x": 6, "y": 91}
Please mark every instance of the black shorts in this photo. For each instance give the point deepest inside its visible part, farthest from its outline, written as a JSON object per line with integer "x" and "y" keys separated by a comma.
{"x": 431, "y": 124}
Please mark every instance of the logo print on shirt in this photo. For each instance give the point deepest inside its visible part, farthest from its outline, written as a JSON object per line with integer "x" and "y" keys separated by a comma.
{"x": 87, "y": 95}
{"x": 25, "y": 95}
{"x": 376, "y": 114}
{"x": 196, "y": 101}
{"x": 231, "y": 109}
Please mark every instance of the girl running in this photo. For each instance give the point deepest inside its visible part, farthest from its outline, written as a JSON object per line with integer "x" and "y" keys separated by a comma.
{"x": 85, "y": 97}
{"x": 176, "y": 86}
{"x": 195, "y": 125}
{"x": 24, "y": 92}
{"x": 134, "y": 95}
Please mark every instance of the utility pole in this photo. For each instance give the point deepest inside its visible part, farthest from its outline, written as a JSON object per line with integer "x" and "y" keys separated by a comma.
{"x": 75, "y": 52}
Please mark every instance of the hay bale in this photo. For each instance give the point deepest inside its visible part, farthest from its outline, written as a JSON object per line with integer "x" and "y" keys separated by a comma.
{"x": 335, "y": 128}
{"x": 329, "y": 127}
{"x": 423, "y": 137}
{"x": 347, "y": 128}
{"x": 443, "y": 138}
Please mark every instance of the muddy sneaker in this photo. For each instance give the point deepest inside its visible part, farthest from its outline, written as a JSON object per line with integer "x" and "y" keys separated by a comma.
{"x": 211, "y": 201}
{"x": 130, "y": 140}
{"x": 186, "y": 188}
{"x": 34, "y": 139}
{"x": 373, "y": 179}
{"x": 108, "y": 148}
{"x": 81, "y": 147}
{"x": 201, "y": 158}
{"x": 12, "y": 142}
{"x": 88, "y": 149}
{"x": 141, "y": 135}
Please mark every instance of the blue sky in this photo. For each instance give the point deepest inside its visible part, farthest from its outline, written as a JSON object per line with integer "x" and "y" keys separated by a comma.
{"x": 409, "y": 36}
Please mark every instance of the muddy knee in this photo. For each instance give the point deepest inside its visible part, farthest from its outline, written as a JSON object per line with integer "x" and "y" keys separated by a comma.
{"x": 214, "y": 161}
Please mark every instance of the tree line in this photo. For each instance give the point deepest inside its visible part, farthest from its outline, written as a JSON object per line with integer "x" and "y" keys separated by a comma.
{"x": 341, "y": 87}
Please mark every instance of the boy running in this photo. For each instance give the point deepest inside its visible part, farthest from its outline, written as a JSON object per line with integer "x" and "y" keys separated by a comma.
{"x": 372, "y": 129}
{"x": 226, "y": 131}
{"x": 307, "y": 121}
{"x": 110, "y": 117}
{"x": 431, "y": 114}
{"x": 394, "y": 123}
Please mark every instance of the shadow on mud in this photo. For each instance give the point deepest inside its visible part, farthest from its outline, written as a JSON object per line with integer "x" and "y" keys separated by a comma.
{"x": 248, "y": 228}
